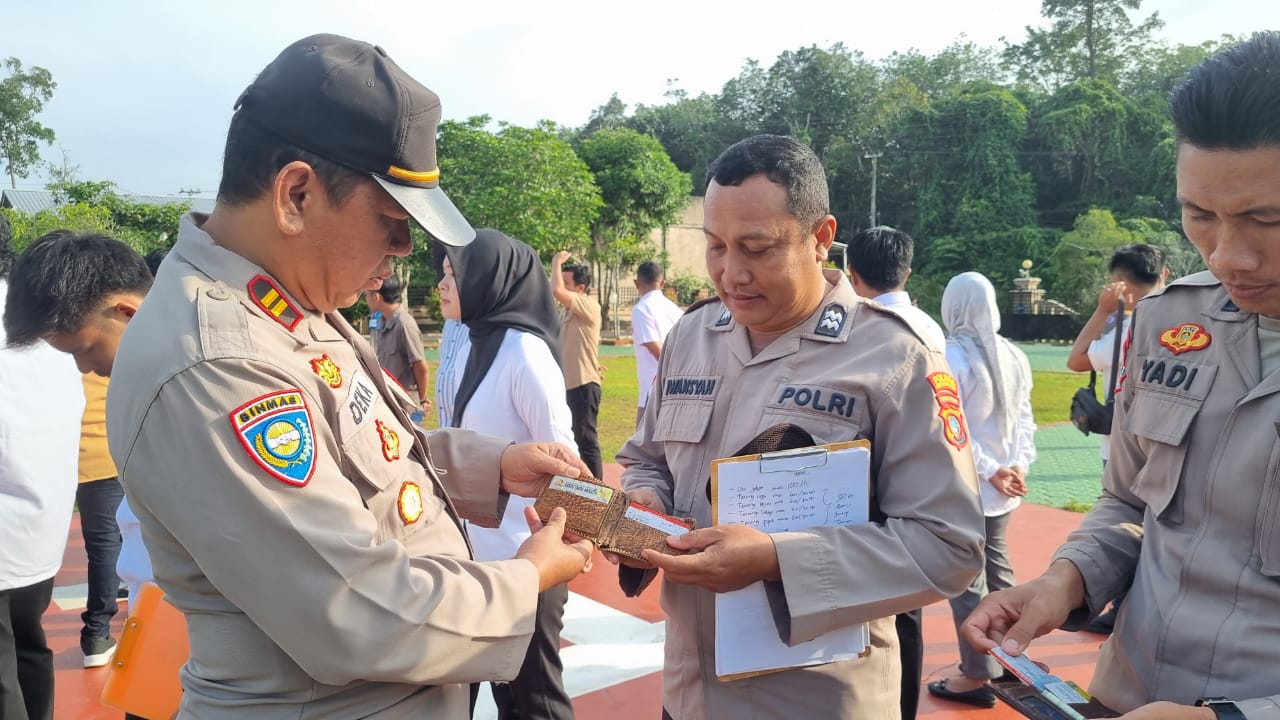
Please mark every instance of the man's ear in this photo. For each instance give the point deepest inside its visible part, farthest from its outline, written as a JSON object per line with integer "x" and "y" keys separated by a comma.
{"x": 123, "y": 306}
{"x": 825, "y": 234}
{"x": 293, "y": 192}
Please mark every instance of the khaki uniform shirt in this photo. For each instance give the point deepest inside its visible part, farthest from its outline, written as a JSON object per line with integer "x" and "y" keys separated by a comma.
{"x": 1190, "y": 512}
{"x": 398, "y": 345}
{"x": 580, "y": 341}
{"x": 294, "y": 514}
{"x": 852, "y": 370}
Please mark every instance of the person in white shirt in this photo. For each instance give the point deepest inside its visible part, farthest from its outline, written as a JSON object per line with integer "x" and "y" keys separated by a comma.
{"x": 995, "y": 392}
{"x": 1136, "y": 271}
{"x": 510, "y": 384}
{"x": 41, "y": 403}
{"x": 652, "y": 318}
{"x": 879, "y": 262}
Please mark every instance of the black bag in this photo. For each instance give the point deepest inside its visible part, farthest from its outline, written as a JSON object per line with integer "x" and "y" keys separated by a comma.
{"x": 1087, "y": 414}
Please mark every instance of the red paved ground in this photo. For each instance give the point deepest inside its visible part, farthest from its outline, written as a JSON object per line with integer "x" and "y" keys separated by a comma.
{"x": 1034, "y": 532}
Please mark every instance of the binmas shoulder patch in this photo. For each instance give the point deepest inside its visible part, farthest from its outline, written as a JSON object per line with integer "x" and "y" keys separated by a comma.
{"x": 275, "y": 429}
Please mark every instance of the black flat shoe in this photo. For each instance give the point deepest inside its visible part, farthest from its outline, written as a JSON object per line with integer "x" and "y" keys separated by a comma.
{"x": 982, "y": 697}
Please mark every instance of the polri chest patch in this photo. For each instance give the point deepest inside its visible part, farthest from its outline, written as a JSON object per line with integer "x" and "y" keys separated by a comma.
{"x": 816, "y": 399}
{"x": 275, "y": 429}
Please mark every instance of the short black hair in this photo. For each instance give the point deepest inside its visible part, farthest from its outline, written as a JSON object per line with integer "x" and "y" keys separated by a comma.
{"x": 881, "y": 256}
{"x": 1231, "y": 101}
{"x": 1144, "y": 264}
{"x": 392, "y": 290}
{"x": 786, "y": 162}
{"x": 154, "y": 258}
{"x": 581, "y": 274}
{"x": 649, "y": 272}
{"x": 253, "y": 156}
{"x": 64, "y": 277}
{"x": 6, "y": 249}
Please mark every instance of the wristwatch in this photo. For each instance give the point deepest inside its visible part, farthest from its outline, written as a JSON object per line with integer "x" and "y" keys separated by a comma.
{"x": 1222, "y": 707}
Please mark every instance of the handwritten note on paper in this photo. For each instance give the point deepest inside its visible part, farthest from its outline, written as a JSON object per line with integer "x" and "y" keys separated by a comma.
{"x": 786, "y": 491}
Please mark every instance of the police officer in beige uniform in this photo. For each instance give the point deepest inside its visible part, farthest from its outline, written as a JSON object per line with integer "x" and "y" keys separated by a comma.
{"x": 788, "y": 342}
{"x": 292, "y": 511}
{"x": 1190, "y": 509}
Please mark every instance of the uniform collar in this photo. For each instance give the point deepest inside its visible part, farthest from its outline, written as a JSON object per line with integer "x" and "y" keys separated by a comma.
{"x": 253, "y": 286}
{"x": 831, "y": 321}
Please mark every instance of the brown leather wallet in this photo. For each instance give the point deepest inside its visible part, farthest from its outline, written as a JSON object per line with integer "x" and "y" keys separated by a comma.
{"x": 1031, "y": 702}
{"x": 607, "y": 517}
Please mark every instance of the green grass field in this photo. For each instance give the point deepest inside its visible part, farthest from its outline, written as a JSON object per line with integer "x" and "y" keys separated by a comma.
{"x": 1050, "y": 400}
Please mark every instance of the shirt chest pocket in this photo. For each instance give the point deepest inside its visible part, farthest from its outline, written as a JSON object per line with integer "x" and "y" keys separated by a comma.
{"x": 1161, "y": 422}
{"x": 394, "y": 487}
{"x": 683, "y": 420}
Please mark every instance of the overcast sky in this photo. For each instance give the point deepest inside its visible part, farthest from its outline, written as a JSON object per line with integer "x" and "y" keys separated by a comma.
{"x": 145, "y": 87}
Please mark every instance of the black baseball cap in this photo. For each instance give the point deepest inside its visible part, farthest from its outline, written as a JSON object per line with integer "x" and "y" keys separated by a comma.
{"x": 347, "y": 102}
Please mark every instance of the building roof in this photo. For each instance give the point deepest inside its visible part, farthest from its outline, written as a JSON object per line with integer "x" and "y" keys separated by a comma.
{"x": 33, "y": 201}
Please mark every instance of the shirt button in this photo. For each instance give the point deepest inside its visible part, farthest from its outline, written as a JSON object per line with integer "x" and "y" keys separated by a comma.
{"x": 218, "y": 293}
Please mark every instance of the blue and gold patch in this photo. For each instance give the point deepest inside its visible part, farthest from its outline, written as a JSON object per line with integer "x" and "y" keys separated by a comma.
{"x": 276, "y": 431}
{"x": 268, "y": 296}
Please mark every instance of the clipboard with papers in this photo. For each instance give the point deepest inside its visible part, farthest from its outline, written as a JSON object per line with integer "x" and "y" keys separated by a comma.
{"x": 779, "y": 492}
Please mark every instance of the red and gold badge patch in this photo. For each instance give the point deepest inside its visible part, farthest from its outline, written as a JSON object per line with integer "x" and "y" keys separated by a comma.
{"x": 1185, "y": 338}
{"x": 328, "y": 371}
{"x": 946, "y": 392}
{"x": 410, "y": 503}
{"x": 390, "y": 441}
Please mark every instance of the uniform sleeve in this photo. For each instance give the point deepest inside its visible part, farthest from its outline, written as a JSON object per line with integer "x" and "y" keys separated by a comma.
{"x": 929, "y": 546}
{"x": 412, "y": 338}
{"x": 305, "y": 563}
{"x": 1267, "y": 708}
{"x": 1105, "y": 547}
{"x": 643, "y": 459}
{"x": 472, "y": 464}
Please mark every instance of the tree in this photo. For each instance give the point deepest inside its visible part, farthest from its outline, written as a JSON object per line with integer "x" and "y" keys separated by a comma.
{"x": 22, "y": 97}
{"x": 1087, "y": 40}
{"x": 689, "y": 128}
{"x": 642, "y": 190}
{"x": 526, "y": 182}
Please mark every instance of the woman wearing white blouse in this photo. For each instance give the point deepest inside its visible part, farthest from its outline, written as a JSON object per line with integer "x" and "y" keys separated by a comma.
{"x": 995, "y": 392}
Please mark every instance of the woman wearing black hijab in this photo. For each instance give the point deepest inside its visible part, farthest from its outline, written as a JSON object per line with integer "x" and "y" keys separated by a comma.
{"x": 511, "y": 386}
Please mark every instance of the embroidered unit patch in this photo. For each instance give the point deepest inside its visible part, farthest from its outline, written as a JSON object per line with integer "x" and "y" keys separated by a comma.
{"x": 946, "y": 392}
{"x": 390, "y": 441}
{"x": 1185, "y": 338}
{"x": 276, "y": 431}
{"x": 328, "y": 371}
{"x": 410, "y": 502}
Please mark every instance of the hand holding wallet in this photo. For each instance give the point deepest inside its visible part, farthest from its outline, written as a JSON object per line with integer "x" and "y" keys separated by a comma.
{"x": 608, "y": 517}
{"x": 1040, "y": 695}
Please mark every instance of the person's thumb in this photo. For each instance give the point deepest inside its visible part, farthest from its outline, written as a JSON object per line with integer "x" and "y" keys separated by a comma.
{"x": 692, "y": 540}
{"x": 1019, "y": 636}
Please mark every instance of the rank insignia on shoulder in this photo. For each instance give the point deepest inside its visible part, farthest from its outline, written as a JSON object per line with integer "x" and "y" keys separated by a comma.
{"x": 1185, "y": 338}
{"x": 328, "y": 370}
{"x": 410, "y": 502}
{"x": 726, "y": 317}
{"x": 268, "y": 296}
{"x": 390, "y": 441}
{"x": 832, "y": 320}
{"x": 276, "y": 431}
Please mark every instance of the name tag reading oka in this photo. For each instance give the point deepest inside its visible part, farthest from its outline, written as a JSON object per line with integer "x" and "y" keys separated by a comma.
{"x": 656, "y": 520}
{"x": 590, "y": 491}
